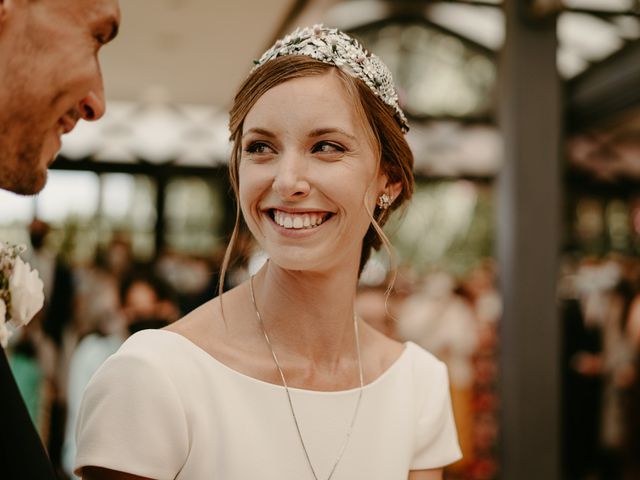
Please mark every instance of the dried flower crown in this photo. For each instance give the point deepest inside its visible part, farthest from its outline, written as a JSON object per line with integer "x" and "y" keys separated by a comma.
{"x": 331, "y": 46}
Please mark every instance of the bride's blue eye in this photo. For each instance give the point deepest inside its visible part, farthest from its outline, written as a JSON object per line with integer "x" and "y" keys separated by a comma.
{"x": 327, "y": 147}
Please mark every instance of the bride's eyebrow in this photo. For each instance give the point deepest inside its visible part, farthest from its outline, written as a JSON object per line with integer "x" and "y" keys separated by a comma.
{"x": 323, "y": 131}
{"x": 259, "y": 131}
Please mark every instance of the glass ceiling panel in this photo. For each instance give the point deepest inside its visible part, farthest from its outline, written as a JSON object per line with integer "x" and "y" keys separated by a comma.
{"x": 155, "y": 132}
{"x": 69, "y": 195}
{"x": 585, "y": 39}
{"x": 438, "y": 74}
{"x": 569, "y": 64}
{"x": 128, "y": 200}
{"x": 628, "y": 27}
{"x": 443, "y": 63}
{"x": 589, "y": 37}
{"x": 450, "y": 149}
{"x": 15, "y": 208}
{"x": 442, "y": 148}
{"x": 611, "y": 5}
{"x": 481, "y": 25}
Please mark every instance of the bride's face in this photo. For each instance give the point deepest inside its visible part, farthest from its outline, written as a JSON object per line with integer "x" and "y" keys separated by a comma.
{"x": 308, "y": 168}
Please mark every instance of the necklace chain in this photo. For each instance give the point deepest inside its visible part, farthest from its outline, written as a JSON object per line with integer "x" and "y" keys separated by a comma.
{"x": 286, "y": 388}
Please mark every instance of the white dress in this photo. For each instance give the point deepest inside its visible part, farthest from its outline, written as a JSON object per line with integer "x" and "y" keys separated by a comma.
{"x": 161, "y": 407}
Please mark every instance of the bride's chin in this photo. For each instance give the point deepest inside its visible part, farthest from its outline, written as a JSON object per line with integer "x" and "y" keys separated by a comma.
{"x": 293, "y": 265}
{"x": 301, "y": 262}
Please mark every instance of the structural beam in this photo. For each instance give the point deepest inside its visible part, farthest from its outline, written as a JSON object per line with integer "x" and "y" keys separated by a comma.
{"x": 605, "y": 89}
{"x": 528, "y": 220}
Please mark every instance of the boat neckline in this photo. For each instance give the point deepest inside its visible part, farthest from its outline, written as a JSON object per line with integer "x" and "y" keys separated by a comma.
{"x": 387, "y": 372}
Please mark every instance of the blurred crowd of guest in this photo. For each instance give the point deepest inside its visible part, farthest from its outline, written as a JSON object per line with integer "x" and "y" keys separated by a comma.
{"x": 600, "y": 310}
{"x": 92, "y": 308}
{"x": 456, "y": 319}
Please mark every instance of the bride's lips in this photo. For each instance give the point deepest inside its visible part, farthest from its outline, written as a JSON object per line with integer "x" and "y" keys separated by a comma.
{"x": 306, "y": 221}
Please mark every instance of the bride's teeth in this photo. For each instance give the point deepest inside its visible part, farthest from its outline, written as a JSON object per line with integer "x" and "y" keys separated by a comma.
{"x": 298, "y": 221}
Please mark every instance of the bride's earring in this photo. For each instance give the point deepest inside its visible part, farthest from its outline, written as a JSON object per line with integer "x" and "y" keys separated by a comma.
{"x": 384, "y": 201}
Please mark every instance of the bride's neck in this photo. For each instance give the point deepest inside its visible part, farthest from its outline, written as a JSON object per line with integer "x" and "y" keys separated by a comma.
{"x": 309, "y": 313}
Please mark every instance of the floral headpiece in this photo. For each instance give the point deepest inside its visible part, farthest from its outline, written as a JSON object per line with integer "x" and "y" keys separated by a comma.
{"x": 331, "y": 46}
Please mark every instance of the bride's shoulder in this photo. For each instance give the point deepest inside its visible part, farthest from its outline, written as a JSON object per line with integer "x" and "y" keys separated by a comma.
{"x": 383, "y": 351}
{"x": 218, "y": 325}
{"x": 204, "y": 317}
{"x": 211, "y": 319}
{"x": 387, "y": 351}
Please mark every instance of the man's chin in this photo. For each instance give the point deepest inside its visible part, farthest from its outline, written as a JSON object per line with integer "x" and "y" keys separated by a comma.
{"x": 51, "y": 160}
{"x": 32, "y": 180}
{"x": 32, "y": 184}
{"x": 40, "y": 182}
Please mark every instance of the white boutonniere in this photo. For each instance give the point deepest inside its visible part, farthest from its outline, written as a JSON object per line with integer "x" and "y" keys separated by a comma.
{"x": 21, "y": 291}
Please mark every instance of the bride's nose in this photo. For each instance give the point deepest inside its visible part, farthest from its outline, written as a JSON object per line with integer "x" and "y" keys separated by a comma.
{"x": 291, "y": 181}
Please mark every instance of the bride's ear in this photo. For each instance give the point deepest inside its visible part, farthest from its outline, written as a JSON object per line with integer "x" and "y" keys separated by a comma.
{"x": 384, "y": 185}
{"x": 393, "y": 189}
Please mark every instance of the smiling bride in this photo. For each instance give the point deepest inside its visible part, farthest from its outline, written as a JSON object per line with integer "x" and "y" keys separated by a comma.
{"x": 278, "y": 378}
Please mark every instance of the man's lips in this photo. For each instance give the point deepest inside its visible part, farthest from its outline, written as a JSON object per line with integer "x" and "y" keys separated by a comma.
{"x": 66, "y": 124}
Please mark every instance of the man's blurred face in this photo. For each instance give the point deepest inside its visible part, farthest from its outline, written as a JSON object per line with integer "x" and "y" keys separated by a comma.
{"x": 49, "y": 79}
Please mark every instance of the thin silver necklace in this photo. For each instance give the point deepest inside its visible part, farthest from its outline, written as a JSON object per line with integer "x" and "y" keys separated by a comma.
{"x": 286, "y": 388}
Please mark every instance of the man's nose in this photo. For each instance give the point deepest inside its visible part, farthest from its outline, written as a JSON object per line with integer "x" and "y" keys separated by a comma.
{"x": 92, "y": 106}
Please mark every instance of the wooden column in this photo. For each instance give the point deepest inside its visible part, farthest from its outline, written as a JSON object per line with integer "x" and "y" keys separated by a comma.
{"x": 528, "y": 239}
{"x": 162, "y": 179}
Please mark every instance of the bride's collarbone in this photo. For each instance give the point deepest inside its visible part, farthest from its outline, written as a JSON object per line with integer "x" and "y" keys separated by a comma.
{"x": 239, "y": 345}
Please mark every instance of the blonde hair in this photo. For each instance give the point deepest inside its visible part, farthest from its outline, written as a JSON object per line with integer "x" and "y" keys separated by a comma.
{"x": 395, "y": 156}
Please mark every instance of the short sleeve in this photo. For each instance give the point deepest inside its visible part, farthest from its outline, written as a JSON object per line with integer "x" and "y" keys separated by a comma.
{"x": 436, "y": 436}
{"x": 132, "y": 420}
